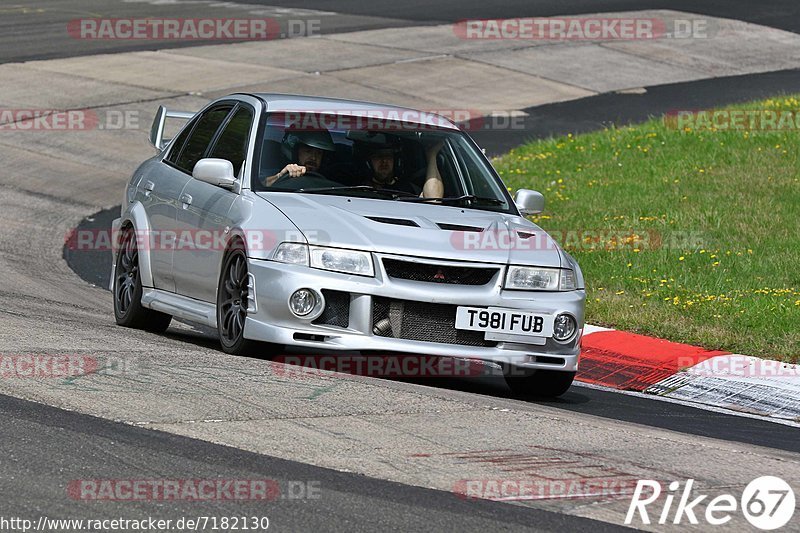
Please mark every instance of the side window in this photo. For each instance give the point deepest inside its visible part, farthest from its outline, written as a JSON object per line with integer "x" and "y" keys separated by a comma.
{"x": 232, "y": 143}
{"x": 477, "y": 176}
{"x": 200, "y": 138}
{"x": 177, "y": 144}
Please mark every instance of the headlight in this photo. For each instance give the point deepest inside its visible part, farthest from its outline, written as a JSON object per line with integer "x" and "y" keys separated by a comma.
{"x": 540, "y": 279}
{"x": 335, "y": 259}
{"x": 291, "y": 252}
{"x": 568, "y": 280}
{"x": 347, "y": 261}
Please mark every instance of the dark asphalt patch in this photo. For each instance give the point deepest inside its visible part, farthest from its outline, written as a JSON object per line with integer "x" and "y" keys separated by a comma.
{"x": 597, "y": 112}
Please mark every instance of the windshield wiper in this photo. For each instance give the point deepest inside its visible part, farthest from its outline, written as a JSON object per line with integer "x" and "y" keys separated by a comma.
{"x": 452, "y": 199}
{"x": 354, "y": 188}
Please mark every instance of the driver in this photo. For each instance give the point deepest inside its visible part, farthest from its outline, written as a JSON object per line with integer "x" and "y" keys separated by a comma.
{"x": 307, "y": 148}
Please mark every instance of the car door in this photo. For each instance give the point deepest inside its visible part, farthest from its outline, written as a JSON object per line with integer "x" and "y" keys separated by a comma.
{"x": 204, "y": 211}
{"x": 164, "y": 186}
{"x": 158, "y": 191}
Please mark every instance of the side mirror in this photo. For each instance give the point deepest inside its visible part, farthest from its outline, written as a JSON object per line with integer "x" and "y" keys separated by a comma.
{"x": 217, "y": 172}
{"x": 529, "y": 202}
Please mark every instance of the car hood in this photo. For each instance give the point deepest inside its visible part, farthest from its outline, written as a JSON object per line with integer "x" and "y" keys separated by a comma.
{"x": 417, "y": 229}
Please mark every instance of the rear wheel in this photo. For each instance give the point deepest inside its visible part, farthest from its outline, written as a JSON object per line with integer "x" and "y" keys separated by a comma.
{"x": 542, "y": 383}
{"x": 128, "y": 310}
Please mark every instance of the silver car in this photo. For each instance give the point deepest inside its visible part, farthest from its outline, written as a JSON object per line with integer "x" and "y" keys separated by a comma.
{"x": 329, "y": 224}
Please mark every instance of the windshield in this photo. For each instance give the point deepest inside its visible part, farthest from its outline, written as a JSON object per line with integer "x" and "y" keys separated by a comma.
{"x": 387, "y": 160}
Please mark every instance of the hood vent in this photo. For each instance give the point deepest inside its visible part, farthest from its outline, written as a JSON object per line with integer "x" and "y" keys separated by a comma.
{"x": 395, "y": 221}
{"x": 458, "y": 227}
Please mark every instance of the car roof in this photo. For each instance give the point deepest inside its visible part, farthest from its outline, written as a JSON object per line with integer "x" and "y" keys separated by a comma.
{"x": 277, "y": 102}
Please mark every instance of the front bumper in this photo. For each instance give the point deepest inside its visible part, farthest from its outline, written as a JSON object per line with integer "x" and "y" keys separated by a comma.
{"x": 272, "y": 321}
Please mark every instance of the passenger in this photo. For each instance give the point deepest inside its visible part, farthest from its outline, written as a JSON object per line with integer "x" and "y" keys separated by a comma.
{"x": 384, "y": 162}
{"x": 308, "y": 149}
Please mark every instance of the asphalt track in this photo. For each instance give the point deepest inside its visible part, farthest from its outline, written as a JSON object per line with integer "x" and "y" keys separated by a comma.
{"x": 50, "y": 448}
{"x": 38, "y": 30}
{"x": 47, "y": 447}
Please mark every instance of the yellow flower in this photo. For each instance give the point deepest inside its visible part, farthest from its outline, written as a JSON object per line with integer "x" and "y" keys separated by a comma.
{"x": 681, "y": 258}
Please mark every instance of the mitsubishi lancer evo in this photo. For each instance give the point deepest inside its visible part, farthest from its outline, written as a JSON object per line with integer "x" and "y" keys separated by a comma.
{"x": 330, "y": 224}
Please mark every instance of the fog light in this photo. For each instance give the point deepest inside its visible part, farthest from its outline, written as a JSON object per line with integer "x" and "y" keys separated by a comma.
{"x": 302, "y": 302}
{"x": 564, "y": 327}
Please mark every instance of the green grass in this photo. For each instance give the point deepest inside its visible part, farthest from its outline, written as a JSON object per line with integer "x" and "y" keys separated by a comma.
{"x": 708, "y": 248}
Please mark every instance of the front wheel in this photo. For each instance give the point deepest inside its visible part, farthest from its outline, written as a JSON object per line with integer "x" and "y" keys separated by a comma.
{"x": 233, "y": 295}
{"x": 128, "y": 309}
{"x": 542, "y": 383}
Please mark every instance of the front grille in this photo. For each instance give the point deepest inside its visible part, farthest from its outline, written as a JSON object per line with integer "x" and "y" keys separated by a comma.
{"x": 453, "y": 275}
{"x": 337, "y": 309}
{"x": 420, "y": 321}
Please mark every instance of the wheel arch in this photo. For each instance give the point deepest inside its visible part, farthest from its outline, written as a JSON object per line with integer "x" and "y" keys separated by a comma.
{"x": 135, "y": 218}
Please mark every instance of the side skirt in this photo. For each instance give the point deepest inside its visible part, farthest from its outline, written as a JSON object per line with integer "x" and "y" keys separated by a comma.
{"x": 180, "y": 306}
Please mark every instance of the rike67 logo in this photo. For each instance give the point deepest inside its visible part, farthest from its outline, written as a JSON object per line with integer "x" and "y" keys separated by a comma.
{"x": 767, "y": 503}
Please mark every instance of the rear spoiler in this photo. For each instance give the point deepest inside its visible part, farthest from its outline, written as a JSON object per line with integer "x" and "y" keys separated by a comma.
{"x": 157, "y": 130}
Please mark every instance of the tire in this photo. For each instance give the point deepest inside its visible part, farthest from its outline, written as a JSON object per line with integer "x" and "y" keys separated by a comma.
{"x": 232, "y": 293}
{"x": 127, "y": 294}
{"x": 541, "y": 383}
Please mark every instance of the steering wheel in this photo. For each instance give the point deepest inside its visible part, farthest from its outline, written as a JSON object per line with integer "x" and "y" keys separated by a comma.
{"x": 310, "y": 180}
{"x": 313, "y": 174}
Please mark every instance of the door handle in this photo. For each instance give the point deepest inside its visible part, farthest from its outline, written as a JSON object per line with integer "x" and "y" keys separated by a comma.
{"x": 186, "y": 200}
{"x": 148, "y": 188}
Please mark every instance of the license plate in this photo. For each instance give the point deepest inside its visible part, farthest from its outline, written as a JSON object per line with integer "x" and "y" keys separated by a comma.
{"x": 498, "y": 320}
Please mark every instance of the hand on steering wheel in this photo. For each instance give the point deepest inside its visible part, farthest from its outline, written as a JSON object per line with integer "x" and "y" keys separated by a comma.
{"x": 292, "y": 170}
{"x": 295, "y": 171}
